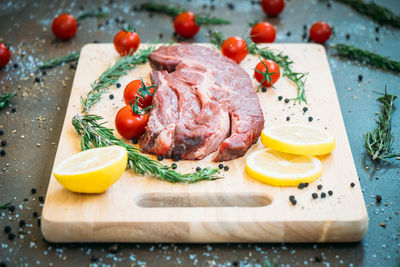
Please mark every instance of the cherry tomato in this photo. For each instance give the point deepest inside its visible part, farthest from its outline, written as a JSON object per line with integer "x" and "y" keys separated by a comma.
{"x": 126, "y": 41}
{"x": 128, "y": 124}
{"x": 263, "y": 32}
{"x": 273, "y": 69}
{"x": 131, "y": 93}
{"x": 273, "y": 7}
{"x": 4, "y": 55}
{"x": 234, "y": 48}
{"x": 64, "y": 26}
{"x": 320, "y": 32}
{"x": 185, "y": 24}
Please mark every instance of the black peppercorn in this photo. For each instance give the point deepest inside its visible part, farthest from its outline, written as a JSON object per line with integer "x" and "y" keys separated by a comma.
{"x": 352, "y": 184}
{"x": 221, "y": 166}
{"x": 231, "y": 6}
{"x": 377, "y": 29}
{"x": 287, "y": 118}
{"x": 310, "y": 118}
{"x": 34, "y": 214}
{"x": 314, "y": 195}
{"x": 378, "y": 198}
{"x": 293, "y": 200}
{"x": 15, "y": 66}
{"x": 306, "y": 184}
{"x": 33, "y": 190}
{"x": 111, "y": 96}
{"x": 280, "y": 98}
{"x": 288, "y": 34}
{"x": 174, "y": 166}
{"x": 11, "y": 236}
{"x": 301, "y": 186}
{"x": 198, "y": 169}
{"x": 135, "y": 141}
{"x": 176, "y": 158}
{"x": 13, "y": 109}
{"x": 41, "y": 199}
{"x": 319, "y": 186}
{"x": 226, "y": 168}
{"x": 323, "y": 195}
{"x": 305, "y": 109}
{"x": 286, "y": 100}
{"x": 264, "y": 89}
{"x": 21, "y": 223}
{"x": 3, "y": 143}
{"x": 2, "y": 152}
{"x": 347, "y": 36}
{"x": 330, "y": 192}
{"x": 37, "y": 79}
{"x": 7, "y": 229}
{"x": 360, "y": 77}
{"x": 1, "y": 131}
{"x": 118, "y": 85}
{"x": 11, "y": 208}
{"x": 160, "y": 158}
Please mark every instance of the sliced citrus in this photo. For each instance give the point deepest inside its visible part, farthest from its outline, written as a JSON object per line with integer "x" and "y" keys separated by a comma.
{"x": 93, "y": 170}
{"x": 298, "y": 139}
{"x": 282, "y": 169}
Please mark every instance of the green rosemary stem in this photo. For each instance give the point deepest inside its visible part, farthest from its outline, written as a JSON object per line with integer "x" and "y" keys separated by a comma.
{"x": 5, "y": 206}
{"x": 92, "y": 14}
{"x": 94, "y": 134}
{"x": 378, "y": 13}
{"x": 367, "y": 57}
{"x": 112, "y": 74}
{"x": 378, "y": 142}
{"x": 173, "y": 12}
{"x": 5, "y": 98}
{"x": 281, "y": 59}
{"x": 74, "y": 56}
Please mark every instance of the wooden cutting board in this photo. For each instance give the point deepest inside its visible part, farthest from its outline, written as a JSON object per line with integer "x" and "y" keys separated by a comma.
{"x": 236, "y": 208}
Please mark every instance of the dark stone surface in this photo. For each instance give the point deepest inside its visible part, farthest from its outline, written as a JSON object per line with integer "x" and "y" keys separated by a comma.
{"x": 32, "y": 132}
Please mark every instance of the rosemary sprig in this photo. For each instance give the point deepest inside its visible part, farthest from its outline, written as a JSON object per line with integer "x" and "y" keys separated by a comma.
{"x": 378, "y": 13}
{"x": 94, "y": 134}
{"x": 5, "y": 98}
{"x": 74, "y": 56}
{"x": 5, "y": 206}
{"x": 92, "y": 14}
{"x": 173, "y": 12}
{"x": 378, "y": 142}
{"x": 112, "y": 74}
{"x": 367, "y": 57}
{"x": 281, "y": 59}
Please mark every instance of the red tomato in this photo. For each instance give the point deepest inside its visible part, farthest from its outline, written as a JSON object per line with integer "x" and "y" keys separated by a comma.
{"x": 320, "y": 32}
{"x": 128, "y": 124}
{"x": 263, "y": 32}
{"x": 273, "y": 70}
{"x": 4, "y": 55}
{"x": 131, "y": 93}
{"x": 234, "y": 48}
{"x": 185, "y": 24}
{"x": 126, "y": 42}
{"x": 64, "y": 26}
{"x": 273, "y": 7}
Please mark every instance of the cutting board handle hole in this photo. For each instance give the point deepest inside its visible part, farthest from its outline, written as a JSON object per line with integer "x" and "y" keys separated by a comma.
{"x": 186, "y": 200}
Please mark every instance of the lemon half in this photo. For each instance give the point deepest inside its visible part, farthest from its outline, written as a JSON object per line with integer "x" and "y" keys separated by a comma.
{"x": 282, "y": 169}
{"x": 298, "y": 139}
{"x": 93, "y": 170}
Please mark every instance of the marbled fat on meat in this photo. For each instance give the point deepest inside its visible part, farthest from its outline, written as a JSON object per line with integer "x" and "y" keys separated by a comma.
{"x": 204, "y": 103}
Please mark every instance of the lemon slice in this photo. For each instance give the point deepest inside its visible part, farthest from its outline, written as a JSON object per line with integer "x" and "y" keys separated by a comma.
{"x": 282, "y": 169}
{"x": 298, "y": 139}
{"x": 93, "y": 170}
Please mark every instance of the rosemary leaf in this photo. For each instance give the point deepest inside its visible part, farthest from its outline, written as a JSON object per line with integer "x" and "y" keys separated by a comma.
{"x": 379, "y": 13}
{"x": 173, "y": 12}
{"x": 5, "y": 98}
{"x": 367, "y": 57}
{"x": 281, "y": 59}
{"x": 94, "y": 134}
{"x": 5, "y": 206}
{"x": 112, "y": 74}
{"x": 92, "y": 14}
{"x": 74, "y": 56}
{"x": 378, "y": 142}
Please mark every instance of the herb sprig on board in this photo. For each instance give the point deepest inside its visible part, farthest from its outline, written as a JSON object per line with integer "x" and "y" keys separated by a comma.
{"x": 280, "y": 58}
{"x": 173, "y": 12}
{"x": 5, "y": 98}
{"x": 74, "y": 56}
{"x": 367, "y": 57}
{"x": 94, "y": 134}
{"x": 92, "y": 14}
{"x": 378, "y": 142}
{"x": 111, "y": 75}
{"x": 378, "y": 13}
{"x": 5, "y": 206}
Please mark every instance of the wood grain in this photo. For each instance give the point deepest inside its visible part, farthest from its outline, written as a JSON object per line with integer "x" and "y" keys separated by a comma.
{"x": 234, "y": 209}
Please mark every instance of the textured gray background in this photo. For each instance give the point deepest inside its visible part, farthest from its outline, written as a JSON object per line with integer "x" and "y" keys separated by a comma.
{"x": 32, "y": 132}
